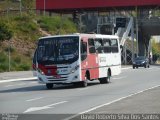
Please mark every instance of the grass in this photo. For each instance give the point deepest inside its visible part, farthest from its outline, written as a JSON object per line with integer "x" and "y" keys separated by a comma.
{"x": 25, "y": 30}
{"x": 57, "y": 25}
{"x": 18, "y": 62}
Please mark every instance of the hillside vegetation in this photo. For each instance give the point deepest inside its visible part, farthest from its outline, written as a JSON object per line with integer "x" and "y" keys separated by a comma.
{"x": 19, "y": 35}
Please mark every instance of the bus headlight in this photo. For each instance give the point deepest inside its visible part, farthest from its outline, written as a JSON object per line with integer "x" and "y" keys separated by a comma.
{"x": 74, "y": 69}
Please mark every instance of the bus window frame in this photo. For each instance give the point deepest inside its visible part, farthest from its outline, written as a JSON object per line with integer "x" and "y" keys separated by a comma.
{"x": 91, "y": 45}
{"x": 83, "y": 50}
{"x": 114, "y": 47}
{"x": 108, "y": 47}
{"x": 100, "y": 47}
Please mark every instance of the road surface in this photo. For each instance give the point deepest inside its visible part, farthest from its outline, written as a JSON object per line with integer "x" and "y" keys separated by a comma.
{"x": 30, "y": 97}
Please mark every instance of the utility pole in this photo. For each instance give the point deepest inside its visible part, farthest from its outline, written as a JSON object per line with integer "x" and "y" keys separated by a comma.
{"x": 137, "y": 31}
{"x": 20, "y": 7}
{"x": 132, "y": 38}
{"x": 44, "y": 11}
{"x": 9, "y": 57}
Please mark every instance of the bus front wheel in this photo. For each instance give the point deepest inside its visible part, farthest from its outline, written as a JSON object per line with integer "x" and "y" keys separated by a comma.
{"x": 85, "y": 82}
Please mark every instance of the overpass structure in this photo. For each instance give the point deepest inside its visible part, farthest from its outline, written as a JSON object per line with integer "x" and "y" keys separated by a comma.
{"x": 143, "y": 25}
{"x": 94, "y": 5}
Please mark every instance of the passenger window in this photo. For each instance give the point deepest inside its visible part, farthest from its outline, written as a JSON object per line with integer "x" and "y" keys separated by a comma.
{"x": 107, "y": 45}
{"x": 91, "y": 42}
{"x": 83, "y": 50}
{"x": 98, "y": 45}
{"x": 92, "y": 49}
{"x": 91, "y": 45}
{"x": 114, "y": 45}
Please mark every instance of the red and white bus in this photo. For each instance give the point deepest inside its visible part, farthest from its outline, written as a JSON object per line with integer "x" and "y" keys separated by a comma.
{"x": 77, "y": 58}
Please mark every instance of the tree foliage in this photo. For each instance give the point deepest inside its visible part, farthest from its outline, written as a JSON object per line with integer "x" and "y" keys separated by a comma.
{"x": 28, "y": 4}
{"x": 5, "y": 33}
{"x": 155, "y": 47}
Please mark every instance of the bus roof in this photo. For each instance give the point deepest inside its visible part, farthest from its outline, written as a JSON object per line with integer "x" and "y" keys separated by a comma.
{"x": 82, "y": 34}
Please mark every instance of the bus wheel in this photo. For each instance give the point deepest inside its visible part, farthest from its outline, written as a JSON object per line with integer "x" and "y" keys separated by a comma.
{"x": 108, "y": 78}
{"x": 49, "y": 85}
{"x": 84, "y": 83}
{"x": 105, "y": 79}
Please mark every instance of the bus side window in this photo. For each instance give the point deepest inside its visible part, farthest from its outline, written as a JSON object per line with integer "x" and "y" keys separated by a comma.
{"x": 107, "y": 45}
{"x": 91, "y": 45}
{"x": 114, "y": 45}
{"x": 83, "y": 50}
{"x": 98, "y": 45}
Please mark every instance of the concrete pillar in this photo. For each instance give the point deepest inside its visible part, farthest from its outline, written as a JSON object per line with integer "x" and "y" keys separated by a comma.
{"x": 132, "y": 38}
{"x": 148, "y": 46}
{"x": 141, "y": 44}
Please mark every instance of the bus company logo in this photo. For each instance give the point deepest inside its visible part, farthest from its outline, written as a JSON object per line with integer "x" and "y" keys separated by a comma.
{"x": 49, "y": 71}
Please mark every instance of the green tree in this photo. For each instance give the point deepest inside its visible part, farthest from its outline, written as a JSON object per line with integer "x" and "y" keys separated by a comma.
{"x": 5, "y": 33}
{"x": 28, "y": 4}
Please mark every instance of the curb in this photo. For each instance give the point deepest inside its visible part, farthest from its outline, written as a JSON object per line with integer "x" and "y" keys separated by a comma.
{"x": 19, "y": 79}
{"x": 34, "y": 78}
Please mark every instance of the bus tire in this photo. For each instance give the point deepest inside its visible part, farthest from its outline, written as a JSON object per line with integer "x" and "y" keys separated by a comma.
{"x": 106, "y": 79}
{"x": 49, "y": 85}
{"x": 85, "y": 82}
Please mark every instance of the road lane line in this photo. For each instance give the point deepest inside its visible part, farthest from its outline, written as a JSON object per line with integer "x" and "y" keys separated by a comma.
{"x": 34, "y": 82}
{"x": 8, "y": 85}
{"x": 34, "y": 99}
{"x": 32, "y": 109}
{"x": 108, "y": 103}
{"x": 125, "y": 68}
{"x": 119, "y": 77}
{"x": 15, "y": 85}
{"x": 119, "y": 99}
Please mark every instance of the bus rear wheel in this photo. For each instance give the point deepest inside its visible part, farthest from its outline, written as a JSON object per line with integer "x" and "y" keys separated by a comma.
{"x": 49, "y": 85}
{"x": 106, "y": 79}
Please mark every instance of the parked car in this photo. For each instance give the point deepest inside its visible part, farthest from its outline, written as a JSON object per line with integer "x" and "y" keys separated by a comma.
{"x": 141, "y": 61}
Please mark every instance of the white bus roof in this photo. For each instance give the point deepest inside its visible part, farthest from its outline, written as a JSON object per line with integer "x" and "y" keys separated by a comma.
{"x": 82, "y": 34}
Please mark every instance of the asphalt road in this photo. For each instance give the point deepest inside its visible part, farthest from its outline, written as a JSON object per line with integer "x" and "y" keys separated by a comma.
{"x": 131, "y": 86}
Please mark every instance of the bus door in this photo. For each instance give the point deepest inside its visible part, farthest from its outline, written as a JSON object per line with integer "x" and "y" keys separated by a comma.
{"x": 92, "y": 59}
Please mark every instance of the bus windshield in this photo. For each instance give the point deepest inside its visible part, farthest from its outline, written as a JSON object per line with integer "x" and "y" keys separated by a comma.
{"x": 58, "y": 50}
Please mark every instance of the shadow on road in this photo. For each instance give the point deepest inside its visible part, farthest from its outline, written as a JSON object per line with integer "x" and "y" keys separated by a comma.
{"x": 43, "y": 88}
